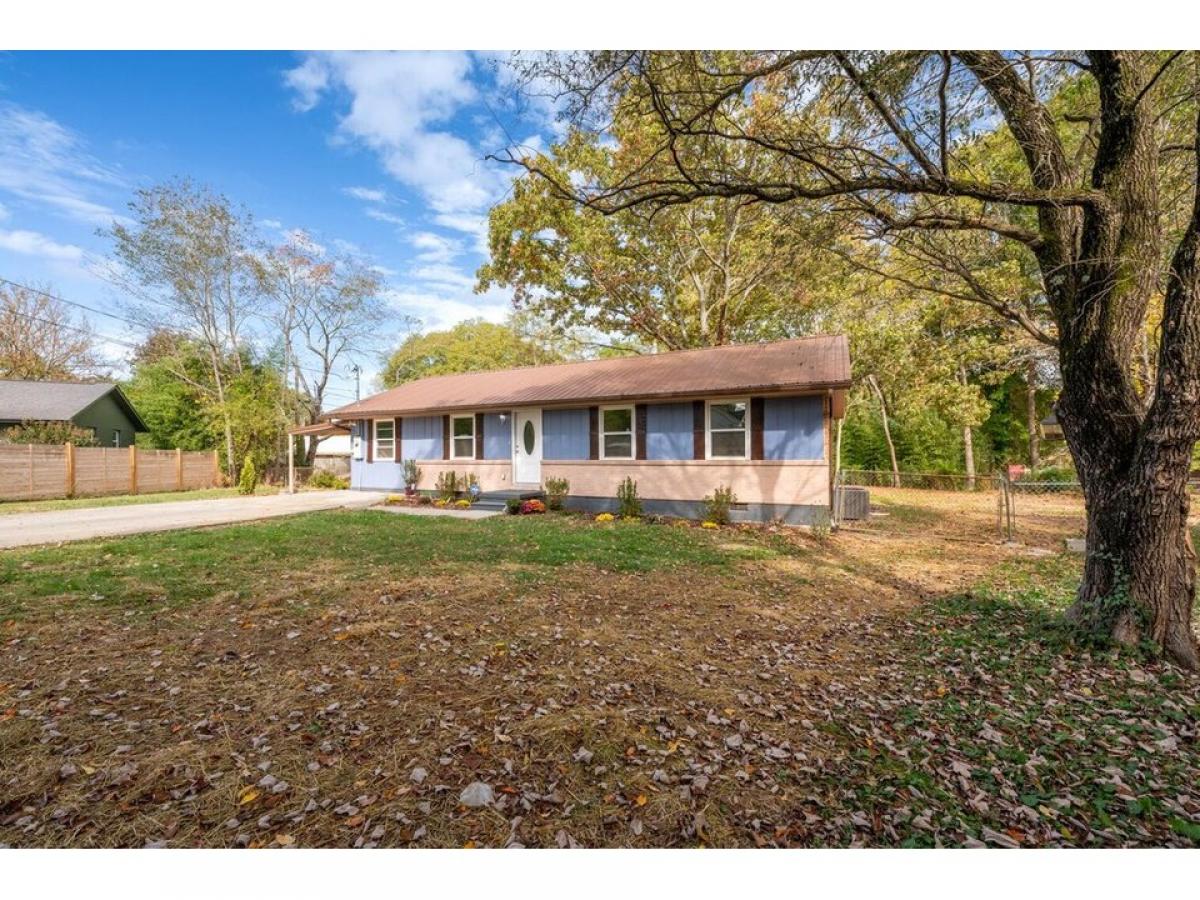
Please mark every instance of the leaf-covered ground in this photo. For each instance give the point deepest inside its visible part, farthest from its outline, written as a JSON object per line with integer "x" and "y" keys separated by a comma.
{"x": 339, "y": 679}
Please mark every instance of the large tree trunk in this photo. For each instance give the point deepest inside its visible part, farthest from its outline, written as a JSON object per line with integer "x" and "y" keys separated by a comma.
{"x": 1139, "y": 576}
{"x": 227, "y": 420}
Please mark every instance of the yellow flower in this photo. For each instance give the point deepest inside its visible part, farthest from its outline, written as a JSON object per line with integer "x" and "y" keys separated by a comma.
{"x": 605, "y": 517}
{"x": 709, "y": 525}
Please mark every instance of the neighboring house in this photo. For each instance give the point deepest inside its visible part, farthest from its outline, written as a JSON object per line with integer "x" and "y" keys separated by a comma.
{"x": 754, "y": 417}
{"x": 1051, "y": 429}
{"x": 101, "y": 408}
{"x": 333, "y": 454}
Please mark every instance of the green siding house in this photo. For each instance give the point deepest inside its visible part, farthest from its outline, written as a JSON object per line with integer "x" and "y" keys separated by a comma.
{"x": 101, "y": 408}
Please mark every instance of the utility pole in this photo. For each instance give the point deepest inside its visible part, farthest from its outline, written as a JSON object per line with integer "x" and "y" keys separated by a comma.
{"x": 357, "y": 370}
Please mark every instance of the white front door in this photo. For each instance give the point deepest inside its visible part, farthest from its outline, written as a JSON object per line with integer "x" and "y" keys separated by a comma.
{"x": 527, "y": 446}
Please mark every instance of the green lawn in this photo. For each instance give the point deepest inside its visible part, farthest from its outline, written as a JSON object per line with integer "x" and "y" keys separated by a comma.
{"x": 182, "y": 566}
{"x": 28, "y": 506}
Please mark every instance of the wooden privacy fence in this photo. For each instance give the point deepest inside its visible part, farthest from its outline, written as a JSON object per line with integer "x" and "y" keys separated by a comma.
{"x": 43, "y": 471}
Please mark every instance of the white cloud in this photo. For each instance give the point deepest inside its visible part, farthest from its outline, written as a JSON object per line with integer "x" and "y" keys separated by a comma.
{"x": 347, "y": 247}
{"x": 370, "y": 195}
{"x": 31, "y": 243}
{"x": 469, "y": 223}
{"x": 443, "y": 275}
{"x": 308, "y": 80}
{"x": 402, "y": 106}
{"x": 382, "y": 215}
{"x": 3, "y": 212}
{"x": 434, "y": 248}
{"x": 44, "y": 163}
{"x": 440, "y": 310}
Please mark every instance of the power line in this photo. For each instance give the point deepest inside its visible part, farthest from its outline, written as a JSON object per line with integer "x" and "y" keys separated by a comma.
{"x": 127, "y": 321}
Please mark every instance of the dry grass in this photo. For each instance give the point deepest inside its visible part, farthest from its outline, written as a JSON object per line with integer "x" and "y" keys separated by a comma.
{"x": 722, "y": 702}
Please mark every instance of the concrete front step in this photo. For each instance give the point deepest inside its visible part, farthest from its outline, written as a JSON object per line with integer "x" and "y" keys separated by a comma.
{"x": 499, "y": 499}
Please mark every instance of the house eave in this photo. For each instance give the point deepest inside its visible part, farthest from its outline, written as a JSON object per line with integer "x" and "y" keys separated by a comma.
{"x": 350, "y": 412}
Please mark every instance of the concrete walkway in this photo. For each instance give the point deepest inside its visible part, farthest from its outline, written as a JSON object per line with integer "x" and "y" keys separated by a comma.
{"x": 25, "y": 529}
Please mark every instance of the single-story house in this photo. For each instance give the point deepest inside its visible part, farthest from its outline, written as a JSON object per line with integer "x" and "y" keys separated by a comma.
{"x": 101, "y": 408}
{"x": 756, "y": 418}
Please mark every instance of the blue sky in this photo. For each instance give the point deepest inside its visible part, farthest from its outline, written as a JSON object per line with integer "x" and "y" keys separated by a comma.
{"x": 374, "y": 154}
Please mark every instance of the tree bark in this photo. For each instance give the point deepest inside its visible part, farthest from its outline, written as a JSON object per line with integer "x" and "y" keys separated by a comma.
{"x": 969, "y": 456}
{"x": 968, "y": 440}
{"x": 887, "y": 430}
{"x": 1140, "y": 571}
{"x": 1031, "y": 416}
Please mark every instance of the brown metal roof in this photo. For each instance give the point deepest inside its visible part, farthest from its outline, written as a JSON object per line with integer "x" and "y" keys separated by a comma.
{"x": 802, "y": 364}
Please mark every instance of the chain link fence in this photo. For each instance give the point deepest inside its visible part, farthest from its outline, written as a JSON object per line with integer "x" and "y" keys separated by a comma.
{"x": 985, "y": 508}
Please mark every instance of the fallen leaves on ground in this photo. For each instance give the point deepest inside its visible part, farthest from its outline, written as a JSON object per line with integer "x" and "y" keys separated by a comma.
{"x": 844, "y": 692}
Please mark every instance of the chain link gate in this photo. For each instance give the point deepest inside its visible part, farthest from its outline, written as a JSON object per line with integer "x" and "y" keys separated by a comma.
{"x": 985, "y": 508}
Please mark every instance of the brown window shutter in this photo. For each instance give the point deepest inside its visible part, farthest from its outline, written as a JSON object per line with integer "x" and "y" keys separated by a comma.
{"x": 369, "y": 428}
{"x": 756, "y": 427}
{"x": 593, "y": 432}
{"x": 479, "y": 435}
{"x": 639, "y": 431}
{"x": 445, "y": 437}
{"x": 398, "y": 433}
{"x": 697, "y": 429}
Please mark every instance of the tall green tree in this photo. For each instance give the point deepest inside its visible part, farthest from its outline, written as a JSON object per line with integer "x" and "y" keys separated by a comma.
{"x": 171, "y": 387}
{"x": 723, "y": 270}
{"x": 1090, "y": 206}
{"x": 470, "y": 346}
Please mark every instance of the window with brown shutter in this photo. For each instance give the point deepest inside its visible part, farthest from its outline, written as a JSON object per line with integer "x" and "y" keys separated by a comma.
{"x": 399, "y": 439}
{"x": 445, "y": 437}
{"x": 479, "y": 435}
{"x": 698, "y": 429}
{"x": 640, "y": 430}
{"x": 756, "y": 427}
{"x": 593, "y": 432}
{"x": 367, "y": 429}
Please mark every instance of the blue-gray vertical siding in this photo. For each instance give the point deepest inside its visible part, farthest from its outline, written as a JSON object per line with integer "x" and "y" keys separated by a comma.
{"x": 794, "y": 428}
{"x": 669, "y": 431}
{"x": 565, "y": 434}
{"x": 422, "y": 437}
{"x": 497, "y": 436}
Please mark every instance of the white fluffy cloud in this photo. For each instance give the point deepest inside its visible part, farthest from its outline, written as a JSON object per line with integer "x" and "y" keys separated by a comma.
{"x": 402, "y": 106}
{"x": 440, "y": 310}
{"x": 46, "y": 164}
{"x": 382, "y": 215}
{"x": 434, "y": 248}
{"x": 369, "y": 195}
{"x": 31, "y": 243}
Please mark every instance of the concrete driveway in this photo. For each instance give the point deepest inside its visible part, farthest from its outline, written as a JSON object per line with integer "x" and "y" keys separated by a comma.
{"x": 24, "y": 529}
